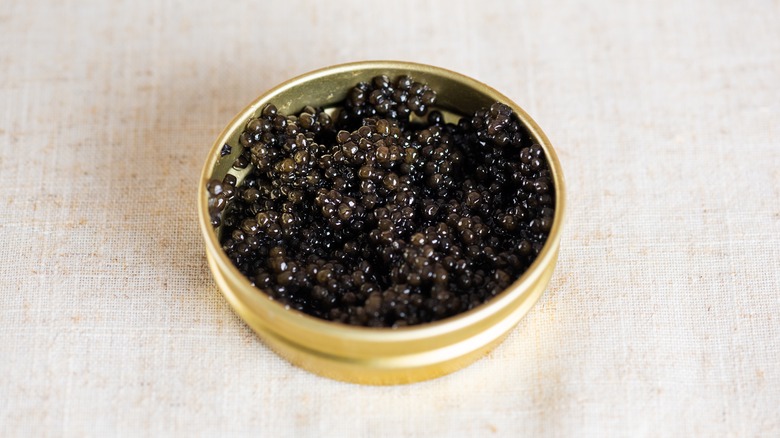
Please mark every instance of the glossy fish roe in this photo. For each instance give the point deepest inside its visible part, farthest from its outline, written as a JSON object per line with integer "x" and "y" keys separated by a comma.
{"x": 383, "y": 215}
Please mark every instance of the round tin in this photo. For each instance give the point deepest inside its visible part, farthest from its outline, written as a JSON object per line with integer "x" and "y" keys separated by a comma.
{"x": 379, "y": 356}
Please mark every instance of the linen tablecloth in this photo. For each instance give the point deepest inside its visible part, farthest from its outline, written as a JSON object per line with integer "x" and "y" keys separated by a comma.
{"x": 663, "y": 317}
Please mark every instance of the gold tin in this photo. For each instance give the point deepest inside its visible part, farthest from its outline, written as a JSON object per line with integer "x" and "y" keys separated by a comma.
{"x": 377, "y": 356}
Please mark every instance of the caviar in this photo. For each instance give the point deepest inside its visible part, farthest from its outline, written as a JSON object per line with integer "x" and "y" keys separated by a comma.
{"x": 384, "y": 215}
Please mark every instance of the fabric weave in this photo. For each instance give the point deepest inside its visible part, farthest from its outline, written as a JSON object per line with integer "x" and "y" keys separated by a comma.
{"x": 662, "y": 317}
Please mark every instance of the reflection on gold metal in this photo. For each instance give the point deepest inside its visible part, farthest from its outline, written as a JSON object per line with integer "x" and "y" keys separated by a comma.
{"x": 379, "y": 356}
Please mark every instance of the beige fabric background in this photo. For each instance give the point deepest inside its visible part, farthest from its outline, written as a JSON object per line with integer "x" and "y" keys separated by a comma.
{"x": 663, "y": 318}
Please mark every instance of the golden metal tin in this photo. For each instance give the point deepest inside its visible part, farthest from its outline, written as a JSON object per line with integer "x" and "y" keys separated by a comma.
{"x": 379, "y": 356}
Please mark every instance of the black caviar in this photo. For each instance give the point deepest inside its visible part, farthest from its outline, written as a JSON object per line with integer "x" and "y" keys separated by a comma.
{"x": 384, "y": 215}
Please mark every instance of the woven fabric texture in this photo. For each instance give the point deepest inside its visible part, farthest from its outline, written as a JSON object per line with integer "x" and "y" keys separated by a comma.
{"x": 663, "y": 317}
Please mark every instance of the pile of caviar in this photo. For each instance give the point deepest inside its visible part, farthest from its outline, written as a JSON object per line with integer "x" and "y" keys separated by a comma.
{"x": 383, "y": 214}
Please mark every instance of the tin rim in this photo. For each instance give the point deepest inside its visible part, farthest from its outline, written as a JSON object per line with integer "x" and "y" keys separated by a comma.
{"x": 257, "y": 305}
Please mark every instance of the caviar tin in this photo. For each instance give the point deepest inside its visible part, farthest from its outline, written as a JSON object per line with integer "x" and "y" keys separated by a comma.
{"x": 378, "y": 356}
